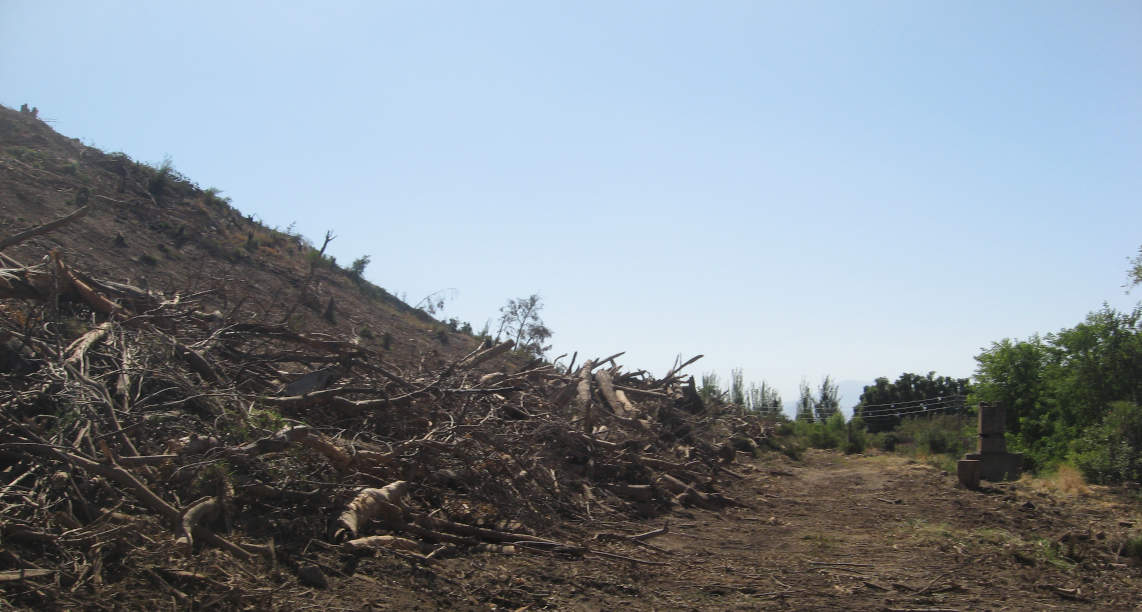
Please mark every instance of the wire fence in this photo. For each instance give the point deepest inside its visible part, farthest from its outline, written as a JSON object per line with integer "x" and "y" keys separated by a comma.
{"x": 942, "y": 404}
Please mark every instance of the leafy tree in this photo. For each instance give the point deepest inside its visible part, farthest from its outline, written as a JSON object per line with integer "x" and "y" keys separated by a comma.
{"x": 805, "y": 402}
{"x": 710, "y": 389}
{"x": 828, "y": 402}
{"x": 520, "y": 321}
{"x": 764, "y": 400}
{"x": 1074, "y": 394}
{"x": 1135, "y": 271}
{"x": 737, "y": 388}
{"x": 357, "y": 268}
{"x": 1112, "y": 450}
{"x": 908, "y": 387}
{"x": 1055, "y": 388}
{"x": 1097, "y": 362}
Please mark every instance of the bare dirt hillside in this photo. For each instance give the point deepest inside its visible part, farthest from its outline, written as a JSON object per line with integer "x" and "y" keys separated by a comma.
{"x": 187, "y": 423}
{"x": 168, "y": 235}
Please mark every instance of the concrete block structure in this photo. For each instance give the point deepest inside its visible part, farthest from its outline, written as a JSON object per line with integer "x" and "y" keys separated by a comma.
{"x": 991, "y": 461}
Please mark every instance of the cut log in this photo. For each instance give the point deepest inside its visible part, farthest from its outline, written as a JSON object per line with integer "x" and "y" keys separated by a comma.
{"x": 607, "y": 390}
{"x": 198, "y": 515}
{"x": 385, "y": 504}
{"x": 382, "y": 541}
{"x": 43, "y": 229}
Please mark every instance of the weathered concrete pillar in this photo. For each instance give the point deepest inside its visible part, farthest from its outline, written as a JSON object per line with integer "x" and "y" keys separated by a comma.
{"x": 991, "y": 461}
{"x": 992, "y": 426}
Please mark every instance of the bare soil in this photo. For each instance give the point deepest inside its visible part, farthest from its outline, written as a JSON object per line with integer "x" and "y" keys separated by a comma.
{"x": 831, "y": 532}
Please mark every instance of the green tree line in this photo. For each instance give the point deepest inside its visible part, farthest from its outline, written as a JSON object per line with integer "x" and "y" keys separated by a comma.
{"x": 1073, "y": 395}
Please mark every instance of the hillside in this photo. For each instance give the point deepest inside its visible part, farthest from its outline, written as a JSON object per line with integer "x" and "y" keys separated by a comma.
{"x": 160, "y": 231}
{"x": 181, "y": 383}
{"x": 188, "y": 423}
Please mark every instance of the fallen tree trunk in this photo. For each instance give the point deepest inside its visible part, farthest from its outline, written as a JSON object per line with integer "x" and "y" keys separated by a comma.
{"x": 43, "y": 229}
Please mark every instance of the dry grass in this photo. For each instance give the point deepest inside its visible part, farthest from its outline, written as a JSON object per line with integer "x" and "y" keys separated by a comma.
{"x": 1066, "y": 481}
{"x": 1069, "y": 481}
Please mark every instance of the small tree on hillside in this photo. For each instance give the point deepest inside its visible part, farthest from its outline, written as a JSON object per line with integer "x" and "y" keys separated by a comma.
{"x": 434, "y": 302}
{"x": 519, "y": 321}
{"x": 710, "y": 389}
{"x": 764, "y": 400}
{"x": 737, "y": 388}
{"x": 357, "y": 268}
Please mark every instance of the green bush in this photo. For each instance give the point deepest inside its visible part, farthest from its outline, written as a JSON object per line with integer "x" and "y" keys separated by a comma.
{"x": 886, "y": 441}
{"x": 213, "y": 197}
{"x": 1132, "y": 548}
{"x": 793, "y": 450}
{"x": 857, "y": 436}
{"x": 1111, "y": 452}
{"x": 162, "y": 178}
{"x": 938, "y": 435}
{"x": 834, "y": 433}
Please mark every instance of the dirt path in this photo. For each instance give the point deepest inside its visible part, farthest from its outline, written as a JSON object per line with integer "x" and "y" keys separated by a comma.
{"x": 827, "y": 533}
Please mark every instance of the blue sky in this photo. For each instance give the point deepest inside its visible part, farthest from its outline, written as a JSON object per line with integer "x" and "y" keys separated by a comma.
{"x": 797, "y": 188}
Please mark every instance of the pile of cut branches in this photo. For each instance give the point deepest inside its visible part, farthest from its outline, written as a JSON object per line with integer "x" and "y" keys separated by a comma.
{"x": 141, "y": 434}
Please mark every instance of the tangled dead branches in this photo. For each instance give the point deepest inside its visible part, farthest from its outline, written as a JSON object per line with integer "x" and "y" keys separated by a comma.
{"x": 137, "y": 426}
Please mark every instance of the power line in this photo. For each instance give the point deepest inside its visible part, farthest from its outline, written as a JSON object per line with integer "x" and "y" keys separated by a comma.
{"x": 907, "y": 403}
{"x": 911, "y": 408}
{"x": 913, "y": 411}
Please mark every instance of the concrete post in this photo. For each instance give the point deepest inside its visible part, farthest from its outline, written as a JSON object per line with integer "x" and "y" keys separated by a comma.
{"x": 992, "y": 426}
{"x": 991, "y": 461}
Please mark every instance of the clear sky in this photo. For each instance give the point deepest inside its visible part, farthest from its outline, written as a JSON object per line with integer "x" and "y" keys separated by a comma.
{"x": 797, "y": 188}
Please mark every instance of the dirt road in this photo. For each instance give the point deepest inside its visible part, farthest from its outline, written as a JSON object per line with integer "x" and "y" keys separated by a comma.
{"x": 829, "y": 532}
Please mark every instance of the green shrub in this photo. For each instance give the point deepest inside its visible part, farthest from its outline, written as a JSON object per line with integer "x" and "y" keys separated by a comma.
{"x": 161, "y": 179}
{"x": 213, "y": 197}
{"x": 793, "y": 450}
{"x": 820, "y": 437}
{"x": 834, "y": 433}
{"x": 857, "y": 436}
{"x": 1132, "y": 547}
{"x": 887, "y": 441}
{"x": 26, "y": 155}
{"x": 1111, "y": 452}
{"x": 944, "y": 434}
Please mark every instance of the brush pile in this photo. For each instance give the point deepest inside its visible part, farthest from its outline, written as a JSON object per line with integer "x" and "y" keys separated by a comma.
{"x": 141, "y": 434}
